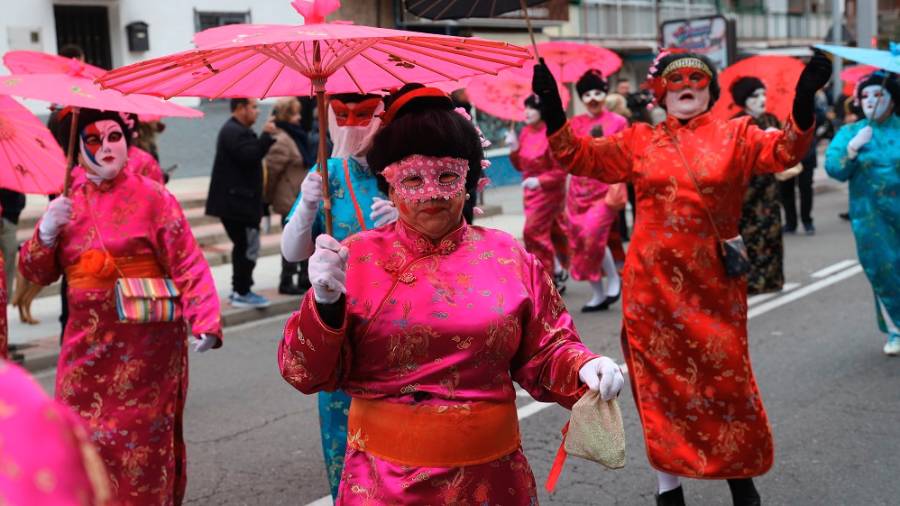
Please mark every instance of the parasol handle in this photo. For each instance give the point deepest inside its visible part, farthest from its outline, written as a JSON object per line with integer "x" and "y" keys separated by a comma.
{"x": 323, "y": 156}
{"x": 530, "y": 28}
{"x": 70, "y": 151}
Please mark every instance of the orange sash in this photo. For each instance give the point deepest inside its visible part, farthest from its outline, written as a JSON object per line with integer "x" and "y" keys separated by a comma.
{"x": 420, "y": 435}
{"x": 98, "y": 270}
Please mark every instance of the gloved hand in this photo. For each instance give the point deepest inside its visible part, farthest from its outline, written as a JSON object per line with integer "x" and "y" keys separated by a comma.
{"x": 296, "y": 238}
{"x": 531, "y": 183}
{"x": 511, "y": 140}
{"x": 311, "y": 189}
{"x": 57, "y": 215}
{"x": 858, "y": 141}
{"x": 383, "y": 212}
{"x": 328, "y": 269}
{"x": 603, "y": 375}
{"x": 544, "y": 86}
{"x": 815, "y": 75}
{"x": 204, "y": 342}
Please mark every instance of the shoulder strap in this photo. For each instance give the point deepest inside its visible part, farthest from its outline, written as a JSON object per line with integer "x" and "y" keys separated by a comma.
{"x": 687, "y": 167}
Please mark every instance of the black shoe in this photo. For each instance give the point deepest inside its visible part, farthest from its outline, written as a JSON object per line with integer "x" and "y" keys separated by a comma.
{"x": 789, "y": 229}
{"x": 743, "y": 492}
{"x": 290, "y": 289}
{"x": 674, "y": 497}
{"x": 844, "y": 216}
{"x": 809, "y": 228}
{"x": 612, "y": 299}
{"x": 603, "y": 306}
{"x": 559, "y": 281}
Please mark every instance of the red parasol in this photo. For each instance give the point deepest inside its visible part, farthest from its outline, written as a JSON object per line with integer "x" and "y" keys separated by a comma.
{"x": 504, "y": 96}
{"x": 853, "y": 75}
{"x": 778, "y": 73}
{"x": 30, "y": 159}
{"x": 315, "y": 58}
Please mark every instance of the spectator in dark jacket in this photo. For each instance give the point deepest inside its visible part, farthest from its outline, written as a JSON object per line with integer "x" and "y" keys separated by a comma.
{"x": 236, "y": 193}
{"x": 12, "y": 203}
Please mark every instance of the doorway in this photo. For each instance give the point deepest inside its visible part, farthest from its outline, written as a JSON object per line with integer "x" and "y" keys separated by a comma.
{"x": 86, "y": 26}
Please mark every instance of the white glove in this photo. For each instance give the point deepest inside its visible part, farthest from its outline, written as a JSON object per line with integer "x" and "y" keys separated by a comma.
{"x": 531, "y": 183}
{"x": 296, "y": 238}
{"x": 603, "y": 375}
{"x": 858, "y": 141}
{"x": 512, "y": 141}
{"x": 57, "y": 215}
{"x": 328, "y": 269}
{"x": 204, "y": 342}
{"x": 383, "y": 212}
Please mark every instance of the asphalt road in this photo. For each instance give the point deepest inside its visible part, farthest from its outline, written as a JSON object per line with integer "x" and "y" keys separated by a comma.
{"x": 833, "y": 399}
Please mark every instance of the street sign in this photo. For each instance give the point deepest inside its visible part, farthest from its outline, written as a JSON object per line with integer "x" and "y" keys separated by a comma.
{"x": 712, "y": 36}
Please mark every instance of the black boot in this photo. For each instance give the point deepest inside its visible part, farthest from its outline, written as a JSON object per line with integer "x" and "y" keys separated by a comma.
{"x": 303, "y": 275}
{"x": 674, "y": 497}
{"x": 287, "y": 286}
{"x": 743, "y": 492}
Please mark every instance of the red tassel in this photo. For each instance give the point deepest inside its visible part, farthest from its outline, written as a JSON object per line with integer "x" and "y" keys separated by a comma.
{"x": 558, "y": 463}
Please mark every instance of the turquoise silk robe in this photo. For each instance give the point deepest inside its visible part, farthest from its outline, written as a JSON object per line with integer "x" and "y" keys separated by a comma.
{"x": 874, "y": 177}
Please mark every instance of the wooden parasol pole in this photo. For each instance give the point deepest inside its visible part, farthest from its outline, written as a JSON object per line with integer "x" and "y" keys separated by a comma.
{"x": 70, "y": 151}
{"x": 537, "y": 56}
{"x": 319, "y": 85}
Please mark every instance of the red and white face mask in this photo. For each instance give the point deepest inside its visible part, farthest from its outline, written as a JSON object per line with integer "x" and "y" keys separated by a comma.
{"x": 104, "y": 148}
{"x": 419, "y": 178}
{"x": 352, "y": 126}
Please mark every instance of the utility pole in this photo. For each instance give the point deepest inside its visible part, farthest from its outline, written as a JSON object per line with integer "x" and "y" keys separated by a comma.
{"x": 866, "y": 22}
{"x": 837, "y": 29}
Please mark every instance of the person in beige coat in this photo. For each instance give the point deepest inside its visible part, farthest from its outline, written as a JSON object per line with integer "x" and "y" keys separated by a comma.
{"x": 284, "y": 171}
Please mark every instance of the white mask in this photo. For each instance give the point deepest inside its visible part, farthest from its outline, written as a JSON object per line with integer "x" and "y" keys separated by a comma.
{"x": 103, "y": 148}
{"x": 593, "y": 96}
{"x": 352, "y": 141}
{"x": 756, "y": 103}
{"x": 876, "y": 101}
{"x": 687, "y": 103}
{"x": 532, "y": 116}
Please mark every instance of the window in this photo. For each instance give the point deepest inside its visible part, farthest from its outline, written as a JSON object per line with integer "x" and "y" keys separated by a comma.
{"x": 205, "y": 19}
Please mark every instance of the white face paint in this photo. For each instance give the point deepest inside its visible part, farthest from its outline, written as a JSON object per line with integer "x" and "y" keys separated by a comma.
{"x": 594, "y": 100}
{"x": 104, "y": 150}
{"x": 756, "y": 103}
{"x": 687, "y": 103}
{"x": 532, "y": 116}
{"x": 876, "y": 101}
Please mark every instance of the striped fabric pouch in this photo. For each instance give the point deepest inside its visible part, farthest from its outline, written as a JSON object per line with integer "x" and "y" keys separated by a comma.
{"x": 147, "y": 300}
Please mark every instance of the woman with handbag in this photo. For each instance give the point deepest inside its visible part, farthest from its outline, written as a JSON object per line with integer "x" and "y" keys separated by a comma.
{"x": 866, "y": 154}
{"x": 760, "y": 224}
{"x": 136, "y": 280}
{"x": 685, "y": 303}
{"x": 427, "y": 321}
{"x": 544, "y": 192}
{"x": 590, "y": 218}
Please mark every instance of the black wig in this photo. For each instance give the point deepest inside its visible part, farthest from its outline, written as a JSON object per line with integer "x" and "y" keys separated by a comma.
{"x": 591, "y": 80}
{"x": 426, "y": 126}
{"x": 85, "y": 117}
{"x": 743, "y": 88}
{"x": 714, "y": 89}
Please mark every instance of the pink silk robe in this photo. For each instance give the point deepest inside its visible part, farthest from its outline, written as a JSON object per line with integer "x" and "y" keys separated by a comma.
{"x": 128, "y": 381}
{"x": 588, "y": 217}
{"x": 448, "y": 325}
{"x": 685, "y": 321}
{"x": 46, "y": 457}
{"x": 544, "y": 217}
{"x": 143, "y": 163}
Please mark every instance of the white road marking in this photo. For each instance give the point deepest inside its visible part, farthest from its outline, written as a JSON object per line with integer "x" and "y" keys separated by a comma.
{"x": 756, "y": 299}
{"x": 831, "y": 269}
{"x": 537, "y": 407}
{"x": 803, "y": 292}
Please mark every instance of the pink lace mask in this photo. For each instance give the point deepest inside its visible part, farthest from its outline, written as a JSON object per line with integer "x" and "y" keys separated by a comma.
{"x": 418, "y": 178}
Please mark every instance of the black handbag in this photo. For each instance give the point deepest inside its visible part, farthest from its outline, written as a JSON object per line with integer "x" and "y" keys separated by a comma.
{"x": 733, "y": 251}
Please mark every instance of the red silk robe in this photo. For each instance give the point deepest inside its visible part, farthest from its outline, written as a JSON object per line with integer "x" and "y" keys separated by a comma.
{"x": 685, "y": 320}
{"x": 129, "y": 380}
{"x": 545, "y": 226}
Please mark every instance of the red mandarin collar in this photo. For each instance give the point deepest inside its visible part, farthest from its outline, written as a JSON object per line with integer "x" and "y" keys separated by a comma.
{"x": 692, "y": 124}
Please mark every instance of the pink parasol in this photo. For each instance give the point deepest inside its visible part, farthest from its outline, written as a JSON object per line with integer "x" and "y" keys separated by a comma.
{"x": 30, "y": 159}
{"x": 504, "y": 96}
{"x": 778, "y": 73}
{"x": 853, "y": 75}
{"x": 315, "y": 58}
{"x": 569, "y": 60}
{"x": 36, "y": 62}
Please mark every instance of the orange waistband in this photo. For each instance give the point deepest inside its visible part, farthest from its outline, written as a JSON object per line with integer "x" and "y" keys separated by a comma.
{"x": 420, "y": 435}
{"x": 98, "y": 270}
